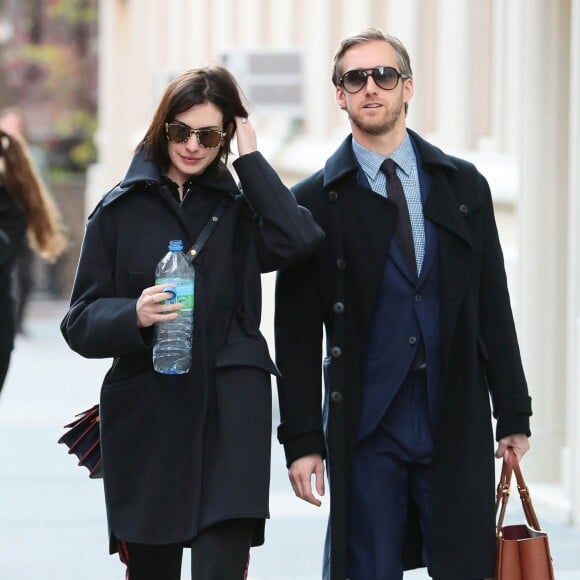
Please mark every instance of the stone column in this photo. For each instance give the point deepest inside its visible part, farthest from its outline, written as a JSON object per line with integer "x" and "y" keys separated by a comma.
{"x": 317, "y": 66}
{"x": 114, "y": 17}
{"x": 572, "y": 478}
{"x": 454, "y": 60}
{"x": 505, "y": 86}
{"x": 544, "y": 204}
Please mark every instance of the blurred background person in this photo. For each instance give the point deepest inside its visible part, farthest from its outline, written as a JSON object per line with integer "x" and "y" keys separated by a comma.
{"x": 28, "y": 216}
{"x": 12, "y": 121}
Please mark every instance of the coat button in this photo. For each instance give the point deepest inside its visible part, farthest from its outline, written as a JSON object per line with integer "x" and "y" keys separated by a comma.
{"x": 338, "y": 308}
{"x": 412, "y": 339}
{"x": 341, "y": 264}
{"x": 418, "y": 298}
{"x": 332, "y": 196}
{"x": 336, "y": 397}
{"x": 463, "y": 209}
{"x": 335, "y": 352}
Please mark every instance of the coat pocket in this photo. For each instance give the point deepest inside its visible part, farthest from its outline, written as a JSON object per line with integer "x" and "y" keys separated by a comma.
{"x": 252, "y": 353}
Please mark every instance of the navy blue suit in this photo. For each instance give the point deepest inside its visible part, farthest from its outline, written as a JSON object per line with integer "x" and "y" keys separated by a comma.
{"x": 393, "y": 453}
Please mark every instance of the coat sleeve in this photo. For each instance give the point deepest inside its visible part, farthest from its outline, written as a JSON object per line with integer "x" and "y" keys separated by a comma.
{"x": 100, "y": 324}
{"x": 499, "y": 343}
{"x": 298, "y": 336}
{"x": 286, "y": 232}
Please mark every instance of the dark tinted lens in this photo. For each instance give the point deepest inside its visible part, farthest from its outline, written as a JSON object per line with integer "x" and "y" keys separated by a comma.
{"x": 178, "y": 133}
{"x": 354, "y": 80}
{"x": 209, "y": 138}
{"x": 386, "y": 77}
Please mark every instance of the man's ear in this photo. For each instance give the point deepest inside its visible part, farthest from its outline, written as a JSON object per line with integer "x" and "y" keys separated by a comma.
{"x": 408, "y": 90}
{"x": 340, "y": 98}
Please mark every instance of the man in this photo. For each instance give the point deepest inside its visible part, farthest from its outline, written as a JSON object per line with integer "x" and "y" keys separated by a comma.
{"x": 419, "y": 336}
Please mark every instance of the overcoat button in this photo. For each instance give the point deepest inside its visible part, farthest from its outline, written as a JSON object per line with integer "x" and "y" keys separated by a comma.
{"x": 338, "y": 308}
{"x": 412, "y": 339}
{"x": 332, "y": 196}
{"x": 341, "y": 264}
{"x": 335, "y": 351}
{"x": 336, "y": 397}
{"x": 418, "y": 298}
{"x": 463, "y": 209}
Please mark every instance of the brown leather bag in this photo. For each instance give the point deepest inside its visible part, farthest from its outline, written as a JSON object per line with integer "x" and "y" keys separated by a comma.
{"x": 522, "y": 552}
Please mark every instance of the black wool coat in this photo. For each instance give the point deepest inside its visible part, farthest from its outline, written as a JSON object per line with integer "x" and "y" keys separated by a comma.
{"x": 182, "y": 452}
{"x": 12, "y": 236}
{"x": 336, "y": 289}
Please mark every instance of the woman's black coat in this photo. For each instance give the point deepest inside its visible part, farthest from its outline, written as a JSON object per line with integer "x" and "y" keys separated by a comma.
{"x": 479, "y": 350}
{"x": 181, "y": 452}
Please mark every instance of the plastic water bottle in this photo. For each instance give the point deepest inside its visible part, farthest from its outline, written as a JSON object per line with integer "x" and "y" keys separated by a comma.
{"x": 173, "y": 338}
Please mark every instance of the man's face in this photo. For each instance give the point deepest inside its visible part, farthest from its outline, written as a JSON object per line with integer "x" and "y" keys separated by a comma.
{"x": 373, "y": 110}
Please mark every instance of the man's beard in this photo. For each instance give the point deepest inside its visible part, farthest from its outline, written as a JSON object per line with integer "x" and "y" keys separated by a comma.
{"x": 379, "y": 127}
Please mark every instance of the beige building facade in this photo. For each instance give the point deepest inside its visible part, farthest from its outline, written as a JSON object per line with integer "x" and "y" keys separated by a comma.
{"x": 496, "y": 81}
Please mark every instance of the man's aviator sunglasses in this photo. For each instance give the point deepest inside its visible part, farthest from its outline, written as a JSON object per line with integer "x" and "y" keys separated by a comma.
{"x": 181, "y": 133}
{"x": 386, "y": 77}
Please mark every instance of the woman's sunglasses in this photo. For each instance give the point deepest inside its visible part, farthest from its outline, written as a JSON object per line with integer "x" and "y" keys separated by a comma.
{"x": 181, "y": 133}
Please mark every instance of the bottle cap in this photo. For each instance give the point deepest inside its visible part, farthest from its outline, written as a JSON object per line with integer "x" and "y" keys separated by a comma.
{"x": 175, "y": 246}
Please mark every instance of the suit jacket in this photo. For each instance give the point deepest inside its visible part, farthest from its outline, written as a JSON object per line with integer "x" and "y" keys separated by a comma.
{"x": 479, "y": 353}
{"x": 406, "y": 317}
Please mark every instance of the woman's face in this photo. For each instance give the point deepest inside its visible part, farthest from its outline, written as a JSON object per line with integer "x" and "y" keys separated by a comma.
{"x": 188, "y": 158}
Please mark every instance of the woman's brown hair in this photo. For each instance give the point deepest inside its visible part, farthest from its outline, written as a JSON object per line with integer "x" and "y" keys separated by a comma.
{"x": 45, "y": 231}
{"x": 197, "y": 86}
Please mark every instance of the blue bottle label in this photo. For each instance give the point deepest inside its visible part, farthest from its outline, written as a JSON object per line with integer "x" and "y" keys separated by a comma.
{"x": 183, "y": 294}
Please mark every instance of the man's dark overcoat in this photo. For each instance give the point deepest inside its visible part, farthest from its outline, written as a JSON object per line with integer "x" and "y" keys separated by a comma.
{"x": 336, "y": 288}
{"x": 182, "y": 452}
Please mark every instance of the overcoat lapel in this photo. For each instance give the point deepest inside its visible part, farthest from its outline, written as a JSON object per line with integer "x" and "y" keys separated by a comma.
{"x": 455, "y": 251}
{"x": 367, "y": 222}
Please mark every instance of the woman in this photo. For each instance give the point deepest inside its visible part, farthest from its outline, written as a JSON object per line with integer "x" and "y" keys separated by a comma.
{"x": 186, "y": 457}
{"x": 26, "y": 211}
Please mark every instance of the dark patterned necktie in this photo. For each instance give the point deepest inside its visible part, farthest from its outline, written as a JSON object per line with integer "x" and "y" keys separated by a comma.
{"x": 403, "y": 233}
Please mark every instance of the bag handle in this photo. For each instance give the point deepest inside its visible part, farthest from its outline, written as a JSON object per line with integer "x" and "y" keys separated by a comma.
{"x": 511, "y": 465}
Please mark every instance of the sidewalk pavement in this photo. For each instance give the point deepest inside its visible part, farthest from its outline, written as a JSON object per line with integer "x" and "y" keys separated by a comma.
{"x": 52, "y": 518}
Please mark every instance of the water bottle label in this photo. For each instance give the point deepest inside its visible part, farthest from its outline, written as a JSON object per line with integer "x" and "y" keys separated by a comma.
{"x": 183, "y": 294}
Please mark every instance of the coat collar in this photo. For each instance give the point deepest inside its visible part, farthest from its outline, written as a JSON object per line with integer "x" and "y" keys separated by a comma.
{"x": 343, "y": 161}
{"x": 143, "y": 170}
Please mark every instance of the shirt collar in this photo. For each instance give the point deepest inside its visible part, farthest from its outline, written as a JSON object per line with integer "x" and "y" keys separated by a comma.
{"x": 403, "y": 156}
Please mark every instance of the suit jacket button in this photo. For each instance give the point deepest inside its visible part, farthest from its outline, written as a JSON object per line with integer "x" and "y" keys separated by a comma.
{"x": 412, "y": 339}
{"x": 338, "y": 308}
{"x": 463, "y": 209}
{"x": 335, "y": 352}
{"x": 341, "y": 264}
{"x": 332, "y": 196}
{"x": 336, "y": 397}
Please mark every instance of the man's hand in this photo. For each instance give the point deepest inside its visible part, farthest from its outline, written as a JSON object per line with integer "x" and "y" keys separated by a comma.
{"x": 300, "y": 474}
{"x": 518, "y": 442}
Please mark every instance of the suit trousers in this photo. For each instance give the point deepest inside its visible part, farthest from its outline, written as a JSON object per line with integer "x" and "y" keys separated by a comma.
{"x": 222, "y": 552}
{"x": 390, "y": 470}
